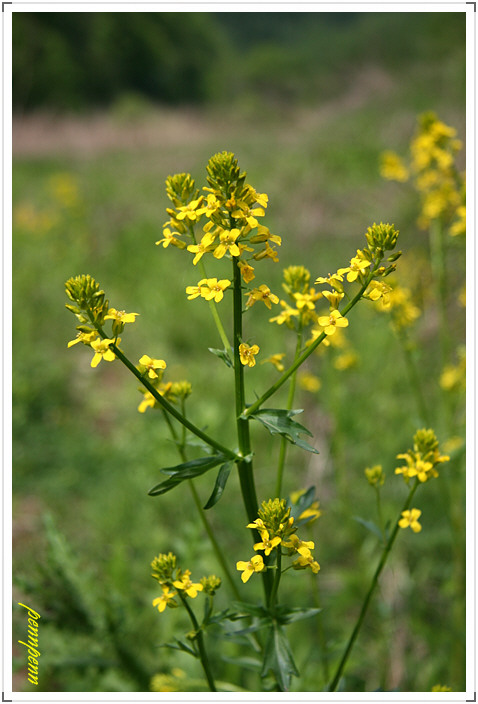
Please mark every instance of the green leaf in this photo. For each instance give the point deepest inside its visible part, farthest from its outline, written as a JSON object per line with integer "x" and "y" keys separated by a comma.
{"x": 286, "y": 615}
{"x": 304, "y": 502}
{"x": 279, "y": 421}
{"x": 246, "y": 663}
{"x": 369, "y": 525}
{"x": 187, "y": 470}
{"x": 222, "y": 354}
{"x": 278, "y": 658}
{"x": 193, "y": 468}
{"x": 221, "y": 480}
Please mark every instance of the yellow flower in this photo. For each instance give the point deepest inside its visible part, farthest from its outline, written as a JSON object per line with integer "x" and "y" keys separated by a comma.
{"x": 201, "y": 248}
{"x": 195, "y": 291}
{"x": 248, "y": 214}
{"x": 275, "y": 359}
{"x": 286, "y": 316}
{"x": 212, "y": 289}
{"x": 309, "y": 382}
{"x": 263, "y": 293}
{"x": 151, "y": 365}
{"x": 209, "y": 289}
{"x": 169, "y": 237}
{"x": 392, "y": 167}
{"x": 85, "y": 337}
{"x": 267, "y": 543}
{"x": 358, "y": 265}
{"x": 269, "y": 252}
{"x": 441, "y": 688}
{"x": 165, "y": 599}
{"x": 255, "y": 564}
{"x": 334, "y": 280}
{"x": 312, "y": 513}
{"x": 191, "y": 211}
{"x": 120, "y": 316}
{"x": 346, "y": 360}
{"x": 459, "y": 226}
{"x": 186, "y": 585}
{"x": 333, "y": 297}
{"x": 102, "y": 351}
{"x": 263, "y": 234}
{"x": 303, "y": 547}
{"x": 247, "y": 271}
{"x": 148, "y": 402}
{"x": 247, "y": 354}
{"x": 227, "y": 243}
{"x": 331, "y": 322}
{"x": 410, "y": 519}
{"x": 303, "y": 562}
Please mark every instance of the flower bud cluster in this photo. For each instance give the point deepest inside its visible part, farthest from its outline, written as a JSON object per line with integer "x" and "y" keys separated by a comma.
{"x": 174, "y": 581}
{"x": 421, "y": 461}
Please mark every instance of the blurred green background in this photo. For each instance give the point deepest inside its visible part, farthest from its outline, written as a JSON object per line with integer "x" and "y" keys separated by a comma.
{"x": 106, "y": 106}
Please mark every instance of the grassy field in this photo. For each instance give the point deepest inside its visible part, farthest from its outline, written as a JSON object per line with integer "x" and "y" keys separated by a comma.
{"x": 88, "y": 197}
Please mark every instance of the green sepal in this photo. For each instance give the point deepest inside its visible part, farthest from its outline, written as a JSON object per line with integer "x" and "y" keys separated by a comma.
{"x": 278, "y": 658}
{"x": 279, "y": 421}
{"x": 187, "y": 470}
{"x": 224, "y": 355}
{"x": 219, "y": 486}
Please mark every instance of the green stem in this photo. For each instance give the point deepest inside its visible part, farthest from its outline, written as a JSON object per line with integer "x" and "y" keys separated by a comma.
{"x": 290, "y": 402}
{"x": 275, "y": 586}
{"x": 311, "y": 348}
{"x": 200, "y": 642}
{"x": 166, "y": 405}
{"x": 244, "y": 465}
{"x": 212, "y": 304}
{"x": 363, "y": 610}
{"x": 197, "y": 502}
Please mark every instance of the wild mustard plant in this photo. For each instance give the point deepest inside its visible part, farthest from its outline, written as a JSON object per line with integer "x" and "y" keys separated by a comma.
{"x": 225, "y": 220}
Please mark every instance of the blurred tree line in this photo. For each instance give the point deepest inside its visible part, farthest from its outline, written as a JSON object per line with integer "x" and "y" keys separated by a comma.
{"x": 74, "y": 61}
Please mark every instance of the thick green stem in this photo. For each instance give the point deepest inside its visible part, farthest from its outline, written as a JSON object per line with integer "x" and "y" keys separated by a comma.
{"x": 386, "y": 551}
{"x": 290, "y": 402}
{"x": 200, "y": 643}
{"x": 244, "y": 465}
{"x": 311, "y": 348}
{"x": 275, "y": 586}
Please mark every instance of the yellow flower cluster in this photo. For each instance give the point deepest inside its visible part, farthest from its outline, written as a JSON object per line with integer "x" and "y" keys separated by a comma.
{"x": 432, "y": 162}
{"x": 229, "y": 212}
{"x": 276, "y": 529}
{"x": 422, "y": 460}
{"x": 174, "y": 582}
{"x": 397, "y": 301}
{"x": 453, "y": 376}
{"x": 92, "y": 310}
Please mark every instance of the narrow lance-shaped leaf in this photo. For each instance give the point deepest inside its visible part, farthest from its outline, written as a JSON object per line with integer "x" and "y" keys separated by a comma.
{"x": 186, "y": 470}
{"x": 221, "y": 480}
